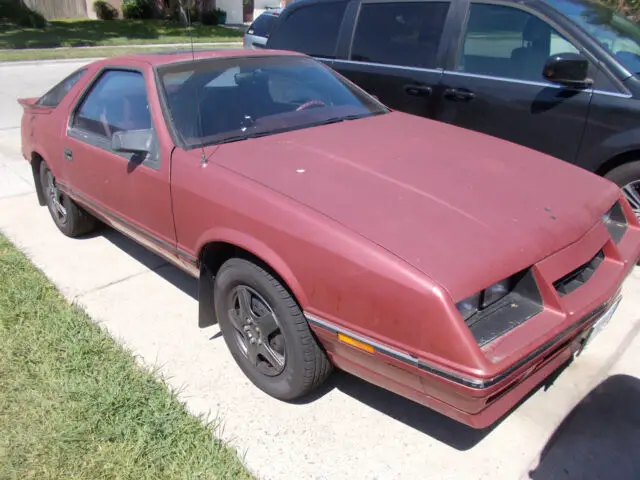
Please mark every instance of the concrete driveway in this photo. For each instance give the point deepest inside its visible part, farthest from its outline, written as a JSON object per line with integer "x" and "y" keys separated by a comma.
{"x": 350, "y": 429}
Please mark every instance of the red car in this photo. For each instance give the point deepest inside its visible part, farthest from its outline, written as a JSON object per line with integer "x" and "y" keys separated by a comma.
{"x": 453, "y": 268}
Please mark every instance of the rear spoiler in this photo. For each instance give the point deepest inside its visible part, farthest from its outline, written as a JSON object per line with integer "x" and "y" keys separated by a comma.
{"x": 28, "y": 102}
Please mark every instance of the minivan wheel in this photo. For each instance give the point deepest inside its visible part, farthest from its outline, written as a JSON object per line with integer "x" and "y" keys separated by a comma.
{"x": 70, "y": 219}
{"x": 627, "y": 177}
{"x": 266, "y": 332}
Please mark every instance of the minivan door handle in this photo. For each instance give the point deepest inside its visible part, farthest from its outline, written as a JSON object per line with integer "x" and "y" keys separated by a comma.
{"x": 68, "y": 155}
{"x": 418, "y": 90}
{"x": 459, "y": 94}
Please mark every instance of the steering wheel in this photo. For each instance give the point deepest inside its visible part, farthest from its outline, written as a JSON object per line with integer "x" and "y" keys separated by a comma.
{"x": 311, "y": 103}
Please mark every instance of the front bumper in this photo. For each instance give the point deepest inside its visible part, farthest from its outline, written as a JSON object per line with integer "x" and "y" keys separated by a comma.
{"x": 519, "y": 360}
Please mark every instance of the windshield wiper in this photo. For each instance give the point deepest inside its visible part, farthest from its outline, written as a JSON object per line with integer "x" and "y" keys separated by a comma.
{"x": 331, "y": 120}
{"x": 238, "y": 138}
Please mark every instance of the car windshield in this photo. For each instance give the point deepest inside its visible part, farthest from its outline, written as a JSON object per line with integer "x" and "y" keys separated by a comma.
{"x": 231, "y": 99}
{"x": 615, "y": 32}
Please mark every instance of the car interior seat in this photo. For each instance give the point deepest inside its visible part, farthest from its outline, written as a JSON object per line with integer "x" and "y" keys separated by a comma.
{"x": 528, "y": 61}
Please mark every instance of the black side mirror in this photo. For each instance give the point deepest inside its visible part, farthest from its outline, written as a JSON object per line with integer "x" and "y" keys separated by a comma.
{"x": 568, "y": 69}
{"x": 132, "y": 141}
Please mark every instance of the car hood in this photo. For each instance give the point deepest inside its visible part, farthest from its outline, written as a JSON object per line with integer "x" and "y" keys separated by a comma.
{"x": 464, "y": 208}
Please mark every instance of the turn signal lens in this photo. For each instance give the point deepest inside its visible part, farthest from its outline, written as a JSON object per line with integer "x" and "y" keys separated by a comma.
{"x": 355, "y": 343}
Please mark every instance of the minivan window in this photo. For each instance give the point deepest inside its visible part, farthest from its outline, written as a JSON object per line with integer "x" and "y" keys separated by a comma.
{"x": 508, "y": 42}
{"x": 312, "y": 29}
{"x": 611, "y": 29}
{"x": 406, "y": 34}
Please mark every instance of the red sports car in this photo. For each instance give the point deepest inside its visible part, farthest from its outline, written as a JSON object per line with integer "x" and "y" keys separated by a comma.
{"x": 453, "y": 268}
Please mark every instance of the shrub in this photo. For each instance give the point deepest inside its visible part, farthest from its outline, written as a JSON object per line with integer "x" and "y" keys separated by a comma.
{"x": 104, "y": 10}
{"x": 209, "y": 17}
{"x": 138, "y": 9}
{"x": 213, "y": 17}
{"x": 20, "y": 14}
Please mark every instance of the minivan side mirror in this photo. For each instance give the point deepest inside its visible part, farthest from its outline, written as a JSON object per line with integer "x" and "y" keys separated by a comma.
{"x": 568, "y": 69}
{"x": 132, "y": 141}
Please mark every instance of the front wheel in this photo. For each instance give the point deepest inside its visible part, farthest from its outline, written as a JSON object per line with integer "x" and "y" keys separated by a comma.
{"x": 266, "y": 331}
{"x": 627, "y": 177}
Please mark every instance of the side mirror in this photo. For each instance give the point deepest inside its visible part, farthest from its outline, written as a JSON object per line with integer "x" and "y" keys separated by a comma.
{"x": 568, "y": 69}
{"x": 132, "y": 141}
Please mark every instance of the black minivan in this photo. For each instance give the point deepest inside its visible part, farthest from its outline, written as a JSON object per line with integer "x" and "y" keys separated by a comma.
{"x": 558, "y": 76}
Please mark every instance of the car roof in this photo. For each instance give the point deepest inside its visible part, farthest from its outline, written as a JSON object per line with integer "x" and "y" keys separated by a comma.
{"x": 169, "y": 57}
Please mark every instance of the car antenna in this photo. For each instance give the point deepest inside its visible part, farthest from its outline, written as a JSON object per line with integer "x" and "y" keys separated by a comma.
{"x": 203, "y": 158}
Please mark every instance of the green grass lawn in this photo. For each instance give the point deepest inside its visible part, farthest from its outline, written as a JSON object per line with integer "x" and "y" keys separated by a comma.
{"x": 51, "y": 54}
{"x": 83, "y": 32}
{"x": 73, "y": 404}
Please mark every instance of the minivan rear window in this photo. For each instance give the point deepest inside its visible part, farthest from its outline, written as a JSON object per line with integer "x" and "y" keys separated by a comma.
{"x": 310, "y": 29}
{"x": 262, "y": 25}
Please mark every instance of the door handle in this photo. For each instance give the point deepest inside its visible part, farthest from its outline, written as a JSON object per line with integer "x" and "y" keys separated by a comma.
{"x": 459, "y": 94}
{"x": 68, "y": 155}
{"x": 418, "y": 90}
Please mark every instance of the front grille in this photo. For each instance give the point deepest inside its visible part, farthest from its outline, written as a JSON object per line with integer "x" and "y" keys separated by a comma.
{"x": 579, "y": 276}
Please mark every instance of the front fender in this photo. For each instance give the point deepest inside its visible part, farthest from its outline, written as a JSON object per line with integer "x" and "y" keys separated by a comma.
{"x": 259, "y": 249}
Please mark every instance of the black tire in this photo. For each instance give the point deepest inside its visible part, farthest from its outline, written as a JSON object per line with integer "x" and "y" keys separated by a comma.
{"x": 627, "y": 177}
{"x": 306, "y": 365}
{"x": 625, "y": 174}
{"x": 75, "y": 221}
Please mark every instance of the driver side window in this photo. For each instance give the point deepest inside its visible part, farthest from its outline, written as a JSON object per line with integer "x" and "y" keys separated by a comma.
{"x": 116, "y": 102}
{"x": 507, "y": 42}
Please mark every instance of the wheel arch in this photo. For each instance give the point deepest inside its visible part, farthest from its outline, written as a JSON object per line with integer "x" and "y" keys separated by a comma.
{"x": 213, "y": 254}
{"x": 618, "y": 160}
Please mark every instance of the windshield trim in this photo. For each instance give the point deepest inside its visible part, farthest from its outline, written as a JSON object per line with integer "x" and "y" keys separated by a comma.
{"x": 180, "y": 142}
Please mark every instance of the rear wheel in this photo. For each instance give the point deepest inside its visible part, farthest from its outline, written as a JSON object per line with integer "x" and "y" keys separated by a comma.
{"x": 627, "y": 177}
{"x": 70, "y": 219}
{"x": 266, "y": 331}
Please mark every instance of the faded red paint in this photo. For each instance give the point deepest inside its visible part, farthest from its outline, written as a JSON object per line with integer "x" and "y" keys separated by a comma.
{"x": 378, "y": 226}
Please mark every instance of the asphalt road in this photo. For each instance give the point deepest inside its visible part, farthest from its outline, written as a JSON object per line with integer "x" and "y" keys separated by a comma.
{"x": 585, "y": 425}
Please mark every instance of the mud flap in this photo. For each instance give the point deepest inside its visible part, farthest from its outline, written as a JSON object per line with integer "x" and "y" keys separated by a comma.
{"x": 206, "y": 311}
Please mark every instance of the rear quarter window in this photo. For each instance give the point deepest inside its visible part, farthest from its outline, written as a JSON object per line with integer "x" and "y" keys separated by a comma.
{"x": 54, "y": 96}
{"x": 310, "y": 29}
{"x": 263, "y": 25}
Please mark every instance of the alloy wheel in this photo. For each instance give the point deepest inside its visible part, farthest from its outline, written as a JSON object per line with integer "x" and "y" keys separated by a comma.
{"x": 632, "y": 191}
{"x": 257, "y": 331}
{"x": 55, "y": 198}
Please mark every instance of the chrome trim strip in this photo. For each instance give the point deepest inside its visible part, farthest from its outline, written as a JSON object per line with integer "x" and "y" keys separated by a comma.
{"x": 477, "y": 75}
{"x": 476, "y": 383}
{"x": 386, "y": 65}
{"x": 401, "y": 356}
{"x": 184, "y": 261}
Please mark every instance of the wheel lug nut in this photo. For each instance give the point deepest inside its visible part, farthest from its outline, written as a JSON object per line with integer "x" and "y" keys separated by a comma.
{"x": 253, "y": 340}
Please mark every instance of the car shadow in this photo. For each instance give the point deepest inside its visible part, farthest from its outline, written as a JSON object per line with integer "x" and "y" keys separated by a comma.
{"x": 600, "y": 438}
{"x": 414, "y": 415}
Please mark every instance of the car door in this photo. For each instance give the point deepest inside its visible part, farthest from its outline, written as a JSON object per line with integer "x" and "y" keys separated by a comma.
{"x": 396, "y": 52}
{"x": 494, "y": 84}
{"x": 131, "y": 190}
